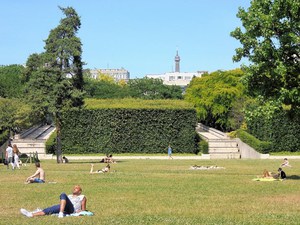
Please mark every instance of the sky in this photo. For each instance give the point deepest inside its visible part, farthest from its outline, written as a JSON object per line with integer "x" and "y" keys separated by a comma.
{"x": 141, "y": 36}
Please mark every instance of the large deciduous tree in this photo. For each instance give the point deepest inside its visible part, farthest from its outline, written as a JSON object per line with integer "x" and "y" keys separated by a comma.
{"x": 149, "y": 88}
{"x": 216, "y": 96}
{"x": 270, "y": 39}
{"x": 55, "y": 79}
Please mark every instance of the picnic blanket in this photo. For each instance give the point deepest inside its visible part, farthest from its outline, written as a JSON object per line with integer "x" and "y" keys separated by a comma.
{"x": 266, "y": 179}
{"x": 82, "y": 213}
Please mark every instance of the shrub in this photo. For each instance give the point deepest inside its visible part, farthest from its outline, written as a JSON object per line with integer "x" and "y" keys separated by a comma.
{"x": 203, "y": 145}
{"x": 260, "y": 146}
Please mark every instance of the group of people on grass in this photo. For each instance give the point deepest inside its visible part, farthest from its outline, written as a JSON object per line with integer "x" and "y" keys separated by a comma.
{"x": 12, "y": 156}
{"x": 69, "y": 204}
{"x": 76, "y": 202}
{"x": 280, "y": 173}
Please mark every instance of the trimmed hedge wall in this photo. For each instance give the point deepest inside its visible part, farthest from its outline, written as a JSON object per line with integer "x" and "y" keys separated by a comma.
{"x": 120, "y": 130}
{"x": 282, "y": 130}
{"x": 260, "y": 146}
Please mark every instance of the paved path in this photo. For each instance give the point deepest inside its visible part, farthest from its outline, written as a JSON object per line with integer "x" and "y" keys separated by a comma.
{"x": 195, "y": 157}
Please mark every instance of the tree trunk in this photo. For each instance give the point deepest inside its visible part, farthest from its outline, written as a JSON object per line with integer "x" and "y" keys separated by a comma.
{"x": 58, "y": 142}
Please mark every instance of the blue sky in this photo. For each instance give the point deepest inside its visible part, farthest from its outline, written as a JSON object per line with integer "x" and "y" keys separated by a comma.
{"x": 141, "y": 36}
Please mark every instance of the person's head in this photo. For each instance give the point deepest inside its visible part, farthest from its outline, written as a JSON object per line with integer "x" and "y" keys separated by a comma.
{"x": 285, "y": 159}
{"x": 15, "y": 148}
{"x": 77, "y": 190}
{"x": 37, "y": 165}
{"x": 108, "y": 166}
{"x": 9, "y": 145}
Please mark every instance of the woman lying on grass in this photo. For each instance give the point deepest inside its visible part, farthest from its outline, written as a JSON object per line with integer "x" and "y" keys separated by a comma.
{"x": 106, "y": 169}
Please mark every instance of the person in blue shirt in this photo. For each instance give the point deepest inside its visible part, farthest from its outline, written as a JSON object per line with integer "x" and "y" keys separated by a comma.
{"x": 170, "y": 152}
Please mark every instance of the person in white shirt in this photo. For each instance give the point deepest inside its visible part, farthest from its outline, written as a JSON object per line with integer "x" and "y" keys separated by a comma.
{"x": 73, "y": 203}
{"x": 9, "y": 156}
{"x": 285, "y": 163}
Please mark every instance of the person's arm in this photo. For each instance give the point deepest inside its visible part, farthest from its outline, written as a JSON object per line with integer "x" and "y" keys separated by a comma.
{"x": 35, "y": 174}
{"x": 83, "y": 204}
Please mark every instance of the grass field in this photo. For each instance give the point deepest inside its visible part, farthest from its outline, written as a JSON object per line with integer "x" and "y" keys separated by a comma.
{"x": 158, "y": 192}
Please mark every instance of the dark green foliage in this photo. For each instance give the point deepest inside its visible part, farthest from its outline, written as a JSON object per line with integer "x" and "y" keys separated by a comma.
{"x": 149, "y": 88}
{"x": 260, "y": 146}
{"x": 282, "y": 129}
{"x": 51, "y": 144}
{"x": 4, "y": 137}
{"x": 104, "y": 89}
{"x": 11, "y": 83}
{"x": 203, "y": 146}
{"x": 270, "y": 41}
{"x": 129, "y": 131}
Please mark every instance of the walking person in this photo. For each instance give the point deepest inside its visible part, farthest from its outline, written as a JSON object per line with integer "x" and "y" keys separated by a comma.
{"x": 9, "y": 156}
{"x": 16, "y": 153}
{"x": 170, "y": 152}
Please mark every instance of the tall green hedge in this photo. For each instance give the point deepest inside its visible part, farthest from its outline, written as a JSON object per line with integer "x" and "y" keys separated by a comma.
{"x": 282, "y": 130}
{"x": 129, "y": 130}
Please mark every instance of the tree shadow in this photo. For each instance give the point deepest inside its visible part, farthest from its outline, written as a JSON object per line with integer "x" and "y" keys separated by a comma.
{"x": 293, "y": 177}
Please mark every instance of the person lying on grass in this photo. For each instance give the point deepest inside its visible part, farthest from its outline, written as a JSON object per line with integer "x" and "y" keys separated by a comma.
{"x": 38, "y": 176}
{"x": 280, "y": 175}
{"x": 106, "y": 169}
{"x": 73, "y": 203}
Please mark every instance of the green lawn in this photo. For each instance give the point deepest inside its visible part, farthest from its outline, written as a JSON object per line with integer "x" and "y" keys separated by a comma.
{"x": 158, "y": 192}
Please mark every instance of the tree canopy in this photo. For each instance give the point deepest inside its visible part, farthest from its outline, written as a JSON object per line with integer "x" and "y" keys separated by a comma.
{"x": 55, "y": 79}
{"x": 270, "y": 39}
{"x": 11, "y": 81}
{"x": 215, "y": 96}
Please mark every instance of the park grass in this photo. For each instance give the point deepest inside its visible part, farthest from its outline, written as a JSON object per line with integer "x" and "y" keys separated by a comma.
{"x": 158, "y": 192}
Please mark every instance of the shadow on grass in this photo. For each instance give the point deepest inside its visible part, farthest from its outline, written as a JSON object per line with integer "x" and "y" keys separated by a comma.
{"x": 293, "y": 177}
{"x": 89, "y": 162}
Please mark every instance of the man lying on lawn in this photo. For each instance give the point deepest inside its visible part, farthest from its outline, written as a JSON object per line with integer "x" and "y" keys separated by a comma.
{"x": 74, "y": 203}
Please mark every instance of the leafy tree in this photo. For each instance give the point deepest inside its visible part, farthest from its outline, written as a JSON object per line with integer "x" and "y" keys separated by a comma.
{"x": 11, "y": 85}
{"x": 149, "y": 88}
{"x": 215, "y": 97}
{"x": 15, "y": 115}
{"x": 104, "y": 89}
{"x": 55, "y": 76}
{"x": 270, "y": 40}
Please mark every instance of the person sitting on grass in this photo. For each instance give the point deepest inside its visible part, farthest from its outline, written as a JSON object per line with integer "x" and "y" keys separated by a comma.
{"x": 38, "y": 176}
{"x": 281, "y": 174}
{"x": 73, "y": 203}
{"x": 285, "y": 163}
{"x": 106, "y": 169}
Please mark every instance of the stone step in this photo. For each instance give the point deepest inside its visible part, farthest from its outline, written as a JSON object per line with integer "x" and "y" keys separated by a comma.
{"x": 223, "y": 150}
{"x": 231, "y": 144}
{"x": 225, "y": 155}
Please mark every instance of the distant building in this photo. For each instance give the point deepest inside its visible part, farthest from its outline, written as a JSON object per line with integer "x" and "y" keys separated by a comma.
{"x": 177, "y": 78}
{"x": 117, "y": 74}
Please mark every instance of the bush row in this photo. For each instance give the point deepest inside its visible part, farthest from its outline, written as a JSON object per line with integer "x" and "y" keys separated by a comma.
{"x": 120, "y": 130}
{"x": 260, "y": 146}
{"x": 282, "y": 130}
{"x": 4, "y": 136}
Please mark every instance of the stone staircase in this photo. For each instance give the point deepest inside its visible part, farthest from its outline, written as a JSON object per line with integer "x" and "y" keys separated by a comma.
{"x": 33, "y": 140}
{"x": 220, "y": 146}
